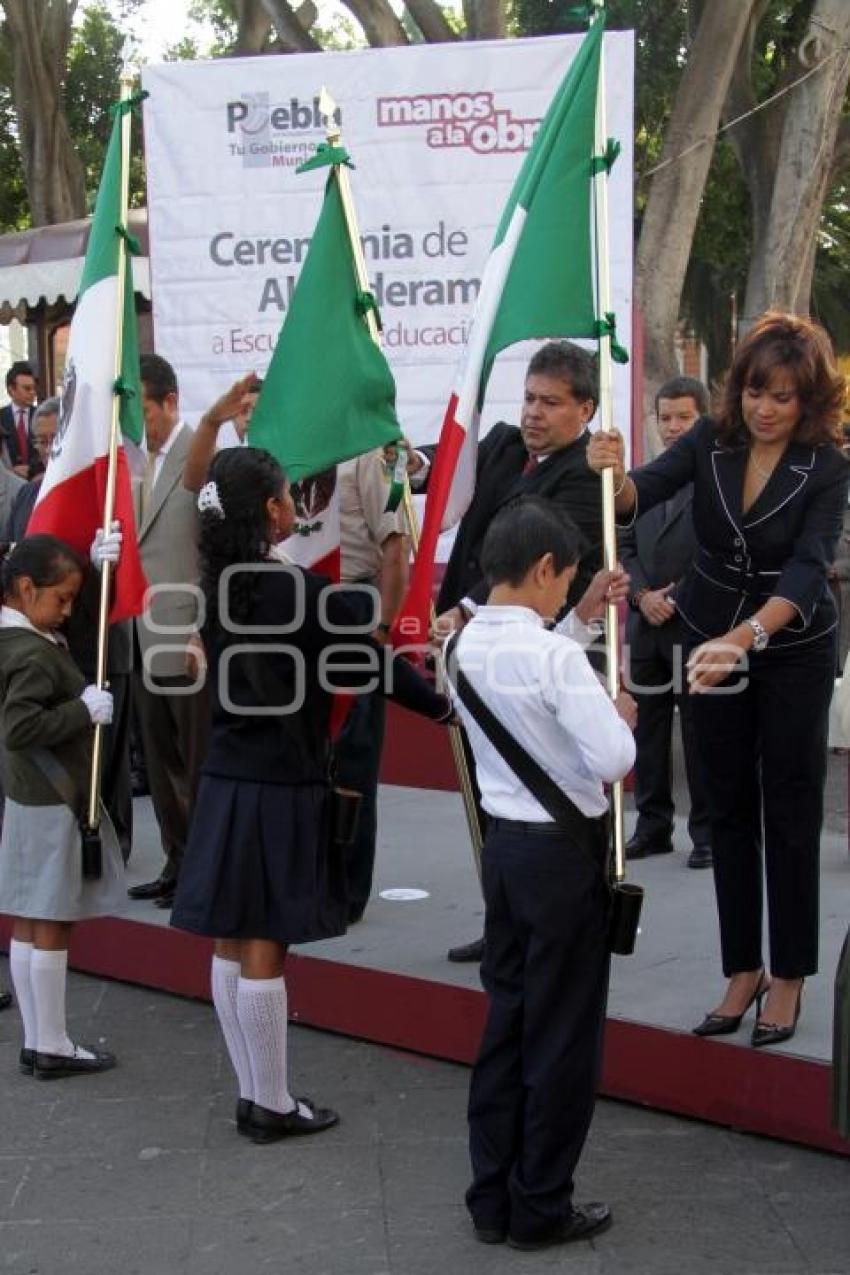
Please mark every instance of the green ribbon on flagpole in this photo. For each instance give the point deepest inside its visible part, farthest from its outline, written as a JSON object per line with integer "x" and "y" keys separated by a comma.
{"x": 583, "y": 12}
{"x": 608, "y": 327}
{"x": 604, "y": 163}
{"x": 397, "y": 475}
{"x": 325, "y": 157}
{"x": 123, "y": 389}
{"x": 129, "y": 103}
{"x": 133, "y": 245}
{"x": 364, "y": 302}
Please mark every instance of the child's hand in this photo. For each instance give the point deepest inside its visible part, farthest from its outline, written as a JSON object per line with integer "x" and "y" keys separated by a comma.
{"x": 106, "y": 548}
{"x": 99, "y": 704}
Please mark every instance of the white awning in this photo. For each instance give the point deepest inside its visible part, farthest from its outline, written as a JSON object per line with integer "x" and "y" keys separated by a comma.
{"x": 36, "y": 281}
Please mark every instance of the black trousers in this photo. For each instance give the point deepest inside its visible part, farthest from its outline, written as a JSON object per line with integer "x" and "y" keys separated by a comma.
{"x": 658, "y": 680}
{"x": 764, "y": 751}
{"x": 115, "y": 777}
{"x": 545, "y": 970}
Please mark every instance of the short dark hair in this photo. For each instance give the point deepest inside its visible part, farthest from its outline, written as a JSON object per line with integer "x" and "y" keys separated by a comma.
{"x": 684, "y": 387}
{"x": 44, "y": 559}
{"x": 788, "y": 342}
{"x": 568, "y": 362}
{"x": 521, "y": 533}
{"x": 20, "y": 368}
{"x": 158, "y": 377}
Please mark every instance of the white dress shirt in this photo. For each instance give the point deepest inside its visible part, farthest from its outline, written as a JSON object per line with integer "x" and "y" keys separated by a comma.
{"x": 542, "y": 688}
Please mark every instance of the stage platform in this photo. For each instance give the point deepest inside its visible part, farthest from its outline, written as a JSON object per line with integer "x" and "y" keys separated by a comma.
{"x": 388, "y": 980}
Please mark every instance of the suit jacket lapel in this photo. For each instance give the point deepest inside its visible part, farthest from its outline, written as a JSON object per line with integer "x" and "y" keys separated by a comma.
{"x": 788, "y": 477}
{"x": 729, "y": 464}
{"x": 170, "y": 474}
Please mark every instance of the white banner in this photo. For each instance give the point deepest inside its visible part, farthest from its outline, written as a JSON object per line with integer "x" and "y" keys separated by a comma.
{"x": 437, "y": 134}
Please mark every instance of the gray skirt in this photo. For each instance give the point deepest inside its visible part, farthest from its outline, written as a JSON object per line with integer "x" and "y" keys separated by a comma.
{"x": 41, "y": 874}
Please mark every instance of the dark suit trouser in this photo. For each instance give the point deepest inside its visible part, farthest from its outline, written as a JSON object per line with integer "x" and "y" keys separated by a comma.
{"x": 764, "y": 755}
{"x": 115, "y": 780}
{"x": 654, "y": 679}
{"x": 175, "y": 732}
{"x": 533, "y": 1086}
{"x": 358, "y": 766}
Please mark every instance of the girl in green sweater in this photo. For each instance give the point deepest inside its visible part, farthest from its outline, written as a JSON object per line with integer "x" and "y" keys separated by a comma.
{"x": 46, "y": 718}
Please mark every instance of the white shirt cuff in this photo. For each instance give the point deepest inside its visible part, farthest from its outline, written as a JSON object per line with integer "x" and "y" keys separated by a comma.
{"x": 417, "y": 479}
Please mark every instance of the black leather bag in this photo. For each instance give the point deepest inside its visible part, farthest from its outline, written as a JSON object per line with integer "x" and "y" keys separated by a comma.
{"x": 626, "y": 898}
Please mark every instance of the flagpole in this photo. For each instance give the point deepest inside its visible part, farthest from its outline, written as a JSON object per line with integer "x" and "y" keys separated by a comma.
{"x": 112, "y": 466}
{"x": 606, "y": 411}
{"x": 327, "y": 108}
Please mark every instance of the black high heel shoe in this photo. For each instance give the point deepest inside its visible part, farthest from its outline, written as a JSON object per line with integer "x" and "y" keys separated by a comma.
{"x": 727, "y": 1024}
{"x": 774, "y": 1033}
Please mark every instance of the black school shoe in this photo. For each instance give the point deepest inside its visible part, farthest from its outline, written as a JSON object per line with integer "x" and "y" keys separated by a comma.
{"x": 583, "y": 1222}
{"x": 55, "y": 1066}
{"x": 244, "y": 1107}
{"x": 265, "y": 1125}
{"x": 26, "y": 1062}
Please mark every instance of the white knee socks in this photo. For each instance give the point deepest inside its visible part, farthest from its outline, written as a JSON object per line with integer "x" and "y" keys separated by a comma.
{"x": 48, "y": 971}
{"x": 20, "y": 957}
{"x": 261, "y": 1009}
{"x": 225, "y": 980}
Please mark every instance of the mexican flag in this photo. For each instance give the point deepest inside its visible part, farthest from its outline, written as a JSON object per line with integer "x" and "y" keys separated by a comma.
{"x": 71, "y": 500}
{"x": 328, "y": 394}
{"x": 538, "y": 282}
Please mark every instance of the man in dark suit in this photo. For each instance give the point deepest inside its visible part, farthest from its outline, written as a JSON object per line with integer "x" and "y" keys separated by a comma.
{"x": 16, "y": 417}
{"x": 656, "y": 551}
{"x": 545, "y": 456}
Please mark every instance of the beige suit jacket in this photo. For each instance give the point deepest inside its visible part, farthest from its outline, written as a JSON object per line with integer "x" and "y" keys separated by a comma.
{"x": 168, "y": 543}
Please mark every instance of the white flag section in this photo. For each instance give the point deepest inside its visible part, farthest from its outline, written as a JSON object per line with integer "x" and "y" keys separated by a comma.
{"x": 437, "y": 133}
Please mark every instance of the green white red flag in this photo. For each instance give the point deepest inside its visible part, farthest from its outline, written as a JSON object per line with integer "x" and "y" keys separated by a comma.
{"x": 71, "y": 499}
{"x": 538, "y": 282}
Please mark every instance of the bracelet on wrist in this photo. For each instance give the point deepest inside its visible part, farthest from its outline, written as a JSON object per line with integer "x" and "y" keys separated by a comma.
{"x": 618, "y": 490}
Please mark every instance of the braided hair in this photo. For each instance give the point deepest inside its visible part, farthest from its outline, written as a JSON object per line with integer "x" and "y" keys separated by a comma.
{"x": 246, "y": 478}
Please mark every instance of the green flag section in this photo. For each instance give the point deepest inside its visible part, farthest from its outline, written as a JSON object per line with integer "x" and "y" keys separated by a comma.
{"x": 545, "y": 230}
{"x": 328, "y": 393}
{"x": 71, "y": 499}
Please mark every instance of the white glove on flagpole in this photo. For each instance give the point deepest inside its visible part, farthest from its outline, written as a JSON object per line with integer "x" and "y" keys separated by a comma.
{"x": 106, "y": 548}
{"x": 99, "y": 704}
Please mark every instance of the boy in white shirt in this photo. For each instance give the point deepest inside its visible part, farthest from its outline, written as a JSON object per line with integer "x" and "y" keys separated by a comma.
{"x": 546, "y": 896}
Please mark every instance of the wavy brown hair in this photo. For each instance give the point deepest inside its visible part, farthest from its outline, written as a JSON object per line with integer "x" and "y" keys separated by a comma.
{"x": 786, "y": 342}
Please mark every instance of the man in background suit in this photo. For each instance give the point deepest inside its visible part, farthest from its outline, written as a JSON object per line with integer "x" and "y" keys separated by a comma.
{"x": 16, "y": 418}
{"x": 173, "y": 712}
{"x": 544, "y": 456}
{"x": 656, "y": 551}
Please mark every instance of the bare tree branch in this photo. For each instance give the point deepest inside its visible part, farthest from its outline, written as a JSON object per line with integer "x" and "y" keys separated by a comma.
{"x": 485, "y": 19}
{"x": 380, "y": 25}
{"x": 431, "y": 21}
{"x": 253, "y": 25}
{"x": 289, "y": 28}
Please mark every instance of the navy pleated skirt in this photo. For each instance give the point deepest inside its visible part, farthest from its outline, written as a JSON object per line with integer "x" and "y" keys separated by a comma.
{"x": 258, "y": 864}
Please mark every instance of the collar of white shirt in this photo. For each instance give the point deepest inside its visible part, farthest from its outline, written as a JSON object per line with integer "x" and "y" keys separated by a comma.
{"x": 10, "y": 618}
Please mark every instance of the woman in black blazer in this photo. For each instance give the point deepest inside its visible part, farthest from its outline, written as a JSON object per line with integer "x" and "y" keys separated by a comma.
{"x": 770, "y": 490}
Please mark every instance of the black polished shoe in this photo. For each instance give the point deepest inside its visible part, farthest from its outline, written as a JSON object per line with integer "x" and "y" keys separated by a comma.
{"x": 165, "y": 901}
{"x": 701, "y": 857}
{"x": 55, "y": 1066}
{"x": 581, "y": 1223}
{"x": 270, "y": 1126}
{"x": 26, "y": 1062}
{"x": 642, "y": 847}
{"x": 244, "y": 1107}
{"x": 775, "y": 1033}
{"x": 473, "y": 951}
{"x": 5, "y": 1000}
{"x": 153, "y": 889}
{"x": 490, "y": 1234}
{"x": 727, "y": 1024}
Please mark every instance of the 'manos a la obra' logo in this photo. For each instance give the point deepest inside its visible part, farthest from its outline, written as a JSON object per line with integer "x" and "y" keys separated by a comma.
{"x": 471, "y": 120}
{"x": 262, "y": 133}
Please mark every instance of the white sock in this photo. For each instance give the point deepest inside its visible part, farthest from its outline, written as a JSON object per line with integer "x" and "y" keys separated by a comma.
{"x": 48, "y": 971}
{"x": 20, "y": 956}
{"x": 224, "y": 978}
{"x": 261, "y": 1007}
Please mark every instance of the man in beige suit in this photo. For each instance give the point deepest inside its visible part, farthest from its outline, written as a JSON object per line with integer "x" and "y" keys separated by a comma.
{"x": 173, "y": 711}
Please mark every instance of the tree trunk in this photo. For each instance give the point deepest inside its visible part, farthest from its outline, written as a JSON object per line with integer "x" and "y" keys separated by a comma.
{"x": 289, "y": 28}
{"x": 674, "y": 200}
{"x": 431, "y": 21}
{"x": 780, "y": 275}
{"x": 380, "y": 25}
{"x": 485, "y": 19}
{"x": 38, "y": 33}
{"x": 253, "y": 25}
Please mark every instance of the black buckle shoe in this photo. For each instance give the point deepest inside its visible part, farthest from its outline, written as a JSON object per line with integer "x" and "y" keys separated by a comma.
{"x": 265, "y": 1125}
{"x": 54, "y": 1066}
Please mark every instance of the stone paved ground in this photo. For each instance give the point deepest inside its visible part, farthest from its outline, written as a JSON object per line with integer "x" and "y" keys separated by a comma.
{"x": 140, "y": 1171}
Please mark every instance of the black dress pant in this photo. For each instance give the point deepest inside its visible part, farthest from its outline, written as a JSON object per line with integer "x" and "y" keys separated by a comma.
{"x": 545, "y": 970}
{"x": 658, "y": 681}
{"x": 764, "y": 750}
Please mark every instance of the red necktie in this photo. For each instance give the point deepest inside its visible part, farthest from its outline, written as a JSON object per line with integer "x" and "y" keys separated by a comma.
{"x": 23, "y": 438}
{"x": 529, "y": 466}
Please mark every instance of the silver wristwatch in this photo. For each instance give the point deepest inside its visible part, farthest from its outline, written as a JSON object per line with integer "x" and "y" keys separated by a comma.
{"x": 760, "y": 634}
